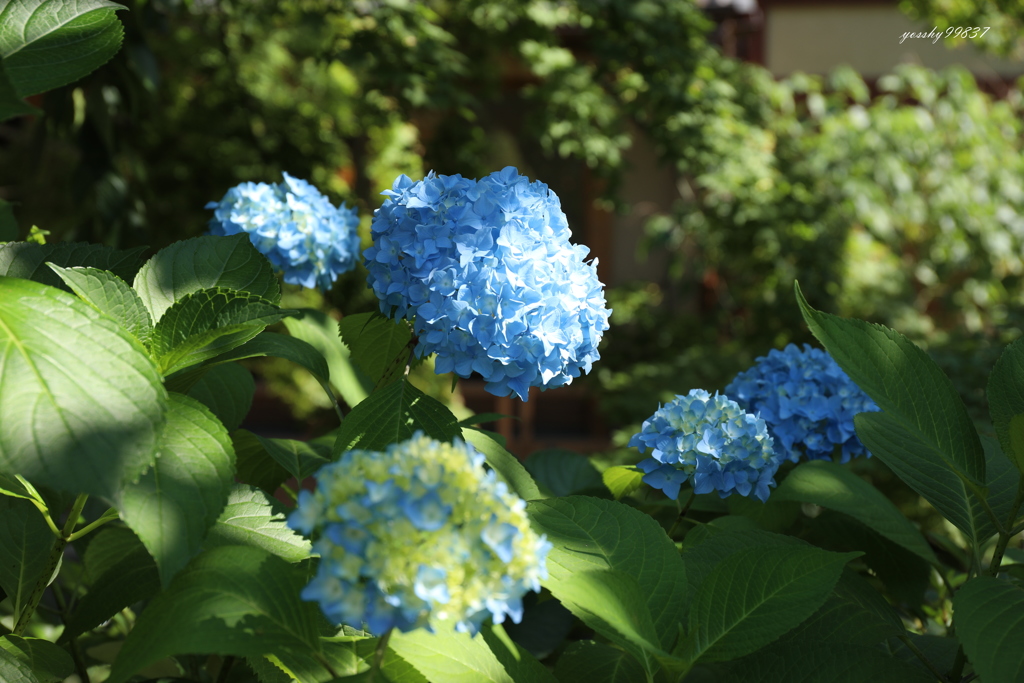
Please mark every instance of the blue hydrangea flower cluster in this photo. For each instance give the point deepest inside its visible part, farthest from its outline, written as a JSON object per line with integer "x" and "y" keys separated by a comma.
{"x": 485, "y": 271}
{"x": 710, "y": 441}
{"x": 807, "y": 401}
{"x": 294, "y": 226}
{"x": 417, "y": 535}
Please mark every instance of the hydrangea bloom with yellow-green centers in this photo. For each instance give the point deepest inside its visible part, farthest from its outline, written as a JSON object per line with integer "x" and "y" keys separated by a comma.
{"x": 417, "y": 535}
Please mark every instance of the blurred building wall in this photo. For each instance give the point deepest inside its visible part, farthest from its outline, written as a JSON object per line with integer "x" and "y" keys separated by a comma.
{"x": 817, "y": 37}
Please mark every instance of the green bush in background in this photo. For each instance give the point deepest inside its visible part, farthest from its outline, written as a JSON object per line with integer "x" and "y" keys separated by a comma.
{"x": 904, "y": 208}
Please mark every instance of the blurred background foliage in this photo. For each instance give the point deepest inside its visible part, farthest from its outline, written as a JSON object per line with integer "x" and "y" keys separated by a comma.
{"x": 900, "y": 201}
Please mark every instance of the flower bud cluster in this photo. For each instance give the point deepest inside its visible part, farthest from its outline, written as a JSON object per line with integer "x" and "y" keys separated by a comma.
{"x": 417, "y": 535}
{"x": 485, "y": 271}
{"x": 294, "y": 226}
{"x": 807, "y": 401}
{"x": 709, "y": 441}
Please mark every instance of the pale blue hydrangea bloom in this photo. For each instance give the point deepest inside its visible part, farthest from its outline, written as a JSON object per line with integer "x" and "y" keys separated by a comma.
{"x": 417, "y": 535}
{"x": 294, "y": 226}
{"x": 807, "y": 401}
{"x": 485, "y": 271}
{"x": 709, "y": 441}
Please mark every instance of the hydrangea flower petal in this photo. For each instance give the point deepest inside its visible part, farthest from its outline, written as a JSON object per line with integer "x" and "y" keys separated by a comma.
{"x": 298, "y": 229}
{"x": 709, "y": 441}
{"x": 418, "y": 534}
{"x": 485, "y": 272}
{"x": 807, "y": 401}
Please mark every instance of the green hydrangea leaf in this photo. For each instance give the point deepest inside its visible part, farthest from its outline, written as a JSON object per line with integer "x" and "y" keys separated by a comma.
{"x": 299, "y": 459}
{"x": 232, "y": 600}
{"x": 908, "y": 386}
{"x": 320, "y": 331}
{"x": 227, "y": 389}
{"x": 251, "y": 517}
{"x": 173, "y": 505}
{"x": 506, "y": 465}
{"x": 81, "y": 402}
{"x": 989, "y": 619}
{"x": 392, "y": 414}
{"x": 821, "y": 663}
{"x": 205, "y": 323}
{"x": 591, "y": 534}
{"x": 44, "y": 45}
{"x": 29, "y": 260}
{"x": 49, "y": 662}
{"x": 1006, "y": 401}
{"x": 121, "y": 572}
{"x": 25, "y": 544}
{"x": 204, "y": 263}
{"x": 833, "y": 486}
{"x": 754, "y": 596}
{"x": 585, "y": 661}
{"x": 563, "y": 472}
{"x": 110, "y": 295}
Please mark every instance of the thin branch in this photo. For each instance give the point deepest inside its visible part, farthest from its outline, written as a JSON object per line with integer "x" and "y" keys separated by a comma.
{"x": 924, "y": 660}
{"x": 108, "y": 516}
{"x": 56, "y": 553}
{"x": 76, "y": 650}
{"x": 225, "y": 668}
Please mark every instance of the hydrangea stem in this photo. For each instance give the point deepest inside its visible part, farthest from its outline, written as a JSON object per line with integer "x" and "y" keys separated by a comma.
{"x": 108, "y": 516}
{"x": 1004, "y": 535}
{"x": 382, "y": 648}
{"x": 924, "y": 660}
{"x": 958, "y": 665}
{"x": 225, "y": 668}
{"x": 76, "y": 649}
{"x": 56, "y": 553}
{"x": 683, "y": 509}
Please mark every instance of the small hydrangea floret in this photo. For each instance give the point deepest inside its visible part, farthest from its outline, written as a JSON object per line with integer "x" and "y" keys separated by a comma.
{"x": 485, "y": 271}
{"x": 807, "y": 401}
{"x": 418, "y": 535}
{"x": 709, "y": 441}
{"x": 298, "y": 229}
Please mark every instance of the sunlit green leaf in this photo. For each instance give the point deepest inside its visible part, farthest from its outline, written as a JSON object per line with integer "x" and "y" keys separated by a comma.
{"x": 591, "y": 534}
{"x": 206, "y": 323}
{"x": 81, "y": 402}
{"x": 507, "y": 466}
{"x": 204, "y": 263}
{"x": 913, "y": 393}
{"x": 44, "y": 45}
{"x": 251, "y": 517}
{"x": 174, "y": 504}
{"x": 320, "y": 331}
{"x": 110, "y": 295}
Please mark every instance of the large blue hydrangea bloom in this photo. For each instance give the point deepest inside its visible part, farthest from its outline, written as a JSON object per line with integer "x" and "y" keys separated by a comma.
{"x": 807, "y": 401}
{"x": 485, "y": 271}
{"x": 294, "y": 226}
{"x": 418, "y": 536}
{"x": 710, "y": 441}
